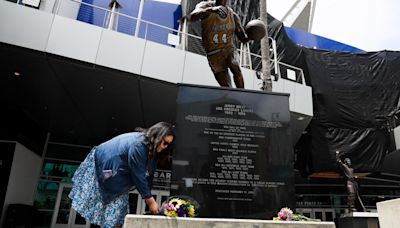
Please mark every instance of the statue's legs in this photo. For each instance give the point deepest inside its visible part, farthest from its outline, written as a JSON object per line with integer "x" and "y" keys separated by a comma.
{"x": 351, "y": 202}
{"x": 223, "y": 79}
{"x": 236, "y": 71}
{"x": 351, "y": 196}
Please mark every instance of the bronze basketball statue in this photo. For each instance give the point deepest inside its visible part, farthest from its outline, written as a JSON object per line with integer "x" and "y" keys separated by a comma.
{"x": 219, "y": 25}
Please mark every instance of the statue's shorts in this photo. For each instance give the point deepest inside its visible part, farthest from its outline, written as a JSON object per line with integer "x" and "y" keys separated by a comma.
{"x": 219, "y": 59}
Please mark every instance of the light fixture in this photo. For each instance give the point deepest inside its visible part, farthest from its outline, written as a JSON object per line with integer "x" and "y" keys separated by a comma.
{"x": 16, "y": 73}
{"x": 300, "y": 118}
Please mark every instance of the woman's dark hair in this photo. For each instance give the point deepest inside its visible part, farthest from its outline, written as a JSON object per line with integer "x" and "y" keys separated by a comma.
{"x": 155, "y": 134}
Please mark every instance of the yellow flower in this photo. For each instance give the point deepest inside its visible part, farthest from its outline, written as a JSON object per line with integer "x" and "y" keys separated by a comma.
{"x": 191, "y": 211}
{"x": 172, "y": 213}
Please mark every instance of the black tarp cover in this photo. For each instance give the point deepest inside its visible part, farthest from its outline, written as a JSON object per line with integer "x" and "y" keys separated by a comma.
{"x": 352, "y": 95}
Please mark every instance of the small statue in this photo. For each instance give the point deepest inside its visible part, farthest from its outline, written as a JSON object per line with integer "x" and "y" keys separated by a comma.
{"x": 351, "y": 185}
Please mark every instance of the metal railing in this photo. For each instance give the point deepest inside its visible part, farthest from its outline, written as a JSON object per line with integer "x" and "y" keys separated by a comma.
{"x": 177, "y": 38}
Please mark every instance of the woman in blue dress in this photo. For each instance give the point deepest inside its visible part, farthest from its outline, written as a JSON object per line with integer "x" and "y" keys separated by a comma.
{"x": 103, "y": 180}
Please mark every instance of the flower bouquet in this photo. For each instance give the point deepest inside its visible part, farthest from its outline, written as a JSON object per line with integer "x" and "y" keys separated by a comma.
{"x": 285, "y": 214}
{"x": 179, "y": 206}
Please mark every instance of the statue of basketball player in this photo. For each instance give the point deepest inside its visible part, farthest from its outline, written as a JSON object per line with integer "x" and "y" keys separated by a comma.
{"x": 351, "y": 184}
{"x": 219, "y": 23}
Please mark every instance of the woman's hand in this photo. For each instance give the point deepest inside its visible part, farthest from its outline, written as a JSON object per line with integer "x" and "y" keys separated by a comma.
{"x": 153, "y": 205}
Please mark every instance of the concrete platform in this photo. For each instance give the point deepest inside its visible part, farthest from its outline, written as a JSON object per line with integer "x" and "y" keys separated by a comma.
{"x": 388, "y": 213}
{"x": 358, "y": 220}
{"x": 152, "y": 221}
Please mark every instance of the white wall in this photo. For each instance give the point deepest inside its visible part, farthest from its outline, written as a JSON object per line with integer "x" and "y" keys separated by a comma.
{"x": 24, "y": 174}
{"x": 197, "y": 71}
{"x": 67, "y": 8}
{"x": 300, "y": 99}
{"x": 24, "y": 26}
{"x": 47, "y": 5}
{"x": 163, "y": 62}
{"x": 120, "y": 51}
{"x": 74, "y": 39}
{"x": 397, "y": 137}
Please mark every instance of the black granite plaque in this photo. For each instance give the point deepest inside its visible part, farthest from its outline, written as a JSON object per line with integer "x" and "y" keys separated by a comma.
{"x": 233, "y": 152}
{"x": 6, "y": 160}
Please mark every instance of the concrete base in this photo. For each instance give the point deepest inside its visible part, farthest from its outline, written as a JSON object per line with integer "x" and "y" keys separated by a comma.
{"x": 388, "y": 213}
{"x": 359, "y": 220}
{"x": 152, "y": 221}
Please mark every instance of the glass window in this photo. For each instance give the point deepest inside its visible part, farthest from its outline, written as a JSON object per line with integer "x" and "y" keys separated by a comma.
{"x": 328, "y": 216}
{"x": 164, "y": 199}
{"x": 43, "y": 218}
{"x": 79, "y": 220}
{"x": 318, "y": 215}
{"x": 65, "y": 207}
{"x": 58, "y": 171}
{"x": 133, "y": 202}
{"x": 46, "y": 195}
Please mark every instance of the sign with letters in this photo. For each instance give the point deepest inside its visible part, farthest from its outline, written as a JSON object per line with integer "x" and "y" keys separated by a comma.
{"x": 233, "y": 151}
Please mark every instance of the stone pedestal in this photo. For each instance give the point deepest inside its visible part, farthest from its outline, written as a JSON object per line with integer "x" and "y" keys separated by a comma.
{"x": 388, "y": 213}
{"x": 151, "y": 221}
{"x": 233, "y": 152}
{"x": 359, "y": 220}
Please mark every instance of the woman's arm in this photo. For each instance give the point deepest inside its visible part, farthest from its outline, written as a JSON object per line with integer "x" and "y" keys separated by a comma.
{"x": 153, "y": 205}
{"x": 138, "y": 165}
{"x": 137, "y": 161}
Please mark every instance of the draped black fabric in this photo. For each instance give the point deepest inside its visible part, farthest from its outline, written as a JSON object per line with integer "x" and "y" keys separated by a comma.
{"x": 354, "y": 95}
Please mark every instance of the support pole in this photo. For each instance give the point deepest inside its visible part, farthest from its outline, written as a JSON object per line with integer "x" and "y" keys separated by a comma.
{"x": 139, "y": 18}
{"x": 266, "y": 68}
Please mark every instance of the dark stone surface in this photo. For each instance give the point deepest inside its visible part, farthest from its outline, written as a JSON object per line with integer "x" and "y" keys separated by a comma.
{"x": 233, "y": 152}
{"x": 357, "y": 222}
{"x": 6, "y": 160}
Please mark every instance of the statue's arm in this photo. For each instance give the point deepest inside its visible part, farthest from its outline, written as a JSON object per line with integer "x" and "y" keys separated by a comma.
{"x": 239, "y": 30}
{"x": 346, "y": 170}
{"x": 340, "y": 163}
{"x": 201, "y": 11}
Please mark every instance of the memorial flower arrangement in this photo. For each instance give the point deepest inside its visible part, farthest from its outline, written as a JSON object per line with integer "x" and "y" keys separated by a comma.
{"x": 177, "y": 206}
{"x": 285, "y": 214}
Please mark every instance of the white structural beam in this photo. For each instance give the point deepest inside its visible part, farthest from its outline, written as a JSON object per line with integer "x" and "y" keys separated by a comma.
{"x": 300, "y": 15}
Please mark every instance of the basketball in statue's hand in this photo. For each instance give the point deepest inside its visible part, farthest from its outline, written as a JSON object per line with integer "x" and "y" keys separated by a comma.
{"x": 255, "y": 29}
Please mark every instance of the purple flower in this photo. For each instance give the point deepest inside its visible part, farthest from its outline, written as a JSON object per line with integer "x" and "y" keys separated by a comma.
{"x": 169, "y": 207}
{"x": 181, "y": 211}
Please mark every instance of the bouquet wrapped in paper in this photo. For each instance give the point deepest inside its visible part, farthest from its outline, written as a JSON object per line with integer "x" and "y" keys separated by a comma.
{"x": 179, "y": 206}
{"x": 285, "y": 214}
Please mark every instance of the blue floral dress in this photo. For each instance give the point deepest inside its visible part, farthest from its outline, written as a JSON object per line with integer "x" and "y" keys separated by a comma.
{"x": 86, "y": 199}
